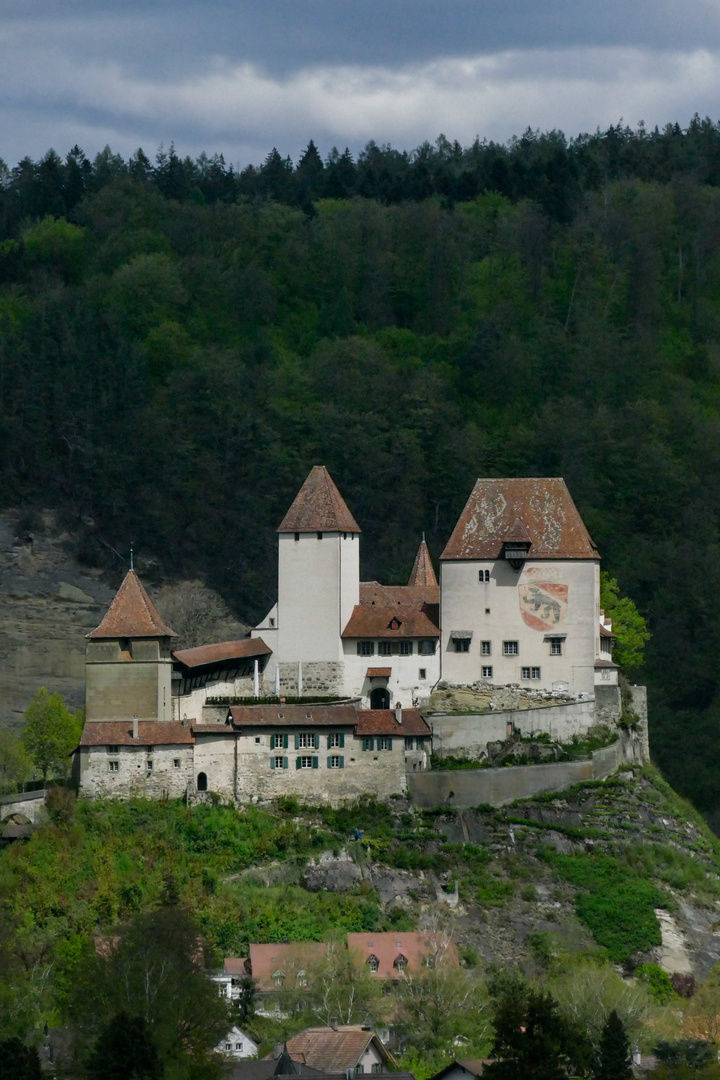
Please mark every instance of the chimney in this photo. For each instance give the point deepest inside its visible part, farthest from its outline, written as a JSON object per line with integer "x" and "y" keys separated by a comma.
{"x": 636, "y": 1056}
{"x": 277, "y": 1051}
{"x": 333, "y": 1023}
{"x": 135, "y": 728}
{"x": 398, "y": 713}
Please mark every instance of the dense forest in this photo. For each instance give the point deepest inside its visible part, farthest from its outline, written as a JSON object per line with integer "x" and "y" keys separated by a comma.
{"x": 180, "y": 342}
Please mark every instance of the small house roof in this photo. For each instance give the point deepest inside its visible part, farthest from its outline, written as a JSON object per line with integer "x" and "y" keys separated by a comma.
{"x": 422, "y": 572}
{"x": 334, "y": 1050}
{"x": 540, "y": 507}
{"x": 204, "y": 655}
{"x": 400, "y": 621}
{"x": 150, "y": 733}
{"x": 384, "y": 722}
{"x": 318, "y": 507}
{"x": 290, "y": 958}
{"x": 236, "y": 965}
{"x": 293, "y": 715}
{"x": 132, "y": 614}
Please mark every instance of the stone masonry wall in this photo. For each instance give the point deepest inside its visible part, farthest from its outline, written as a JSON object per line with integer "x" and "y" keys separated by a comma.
{"x": 467, "y": 735}
{"x": 318, "y": 677}
{"x": 165, "y": 780}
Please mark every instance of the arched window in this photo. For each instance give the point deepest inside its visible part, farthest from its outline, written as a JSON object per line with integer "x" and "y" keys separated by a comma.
{"x": 202, "y": 781}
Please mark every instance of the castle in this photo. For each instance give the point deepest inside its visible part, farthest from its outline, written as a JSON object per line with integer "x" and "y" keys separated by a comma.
{"x": 517, "y": 606}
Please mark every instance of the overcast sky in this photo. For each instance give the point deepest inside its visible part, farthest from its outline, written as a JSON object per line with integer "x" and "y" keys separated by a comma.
{"x": 242, "y": 76}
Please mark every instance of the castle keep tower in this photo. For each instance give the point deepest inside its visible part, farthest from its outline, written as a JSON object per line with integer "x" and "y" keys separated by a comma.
{"x": 128, "y": 661}
{"x": 318, "y": 574}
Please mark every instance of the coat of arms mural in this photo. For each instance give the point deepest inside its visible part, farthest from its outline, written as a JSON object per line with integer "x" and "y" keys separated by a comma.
{"x": 543, "y": 604}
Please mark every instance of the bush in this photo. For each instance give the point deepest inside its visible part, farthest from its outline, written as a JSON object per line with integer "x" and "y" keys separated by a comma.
{"x": 658, "y": 981}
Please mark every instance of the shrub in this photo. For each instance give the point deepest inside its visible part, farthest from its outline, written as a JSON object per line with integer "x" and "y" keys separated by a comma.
{"x": 658, "y": 981}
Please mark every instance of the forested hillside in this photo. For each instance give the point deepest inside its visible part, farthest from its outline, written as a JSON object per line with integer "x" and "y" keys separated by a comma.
{"x": 180, "y": 342}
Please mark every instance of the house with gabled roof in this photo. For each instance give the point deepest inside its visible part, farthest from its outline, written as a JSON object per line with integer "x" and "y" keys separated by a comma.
{"x": 343, "y": 1049}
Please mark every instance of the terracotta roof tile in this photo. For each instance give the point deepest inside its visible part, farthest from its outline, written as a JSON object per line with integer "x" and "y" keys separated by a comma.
{"x": 223, "y": 650}
{"x": 290, "y": 959}
{"x": 372, "y": 592}
{"x": 414, "y": 947}
{"x": 378, "y": 673}
{"x": 543, "y": 505}
{"x": 422, "y": 571}
{"x": 334, "y": 1051}
{"x": 383, "y": 722}
{"x": 236, "y": 965}
{"x": 293, "y": 715}
{"x": 399, "y": 621}
{"x": 319, "y": 507}
{"x": 150, "y": 733}
{"x": 132, "y": 614}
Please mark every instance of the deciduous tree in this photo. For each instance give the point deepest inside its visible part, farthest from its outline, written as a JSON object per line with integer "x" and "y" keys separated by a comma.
{"x": 51, "y": 732}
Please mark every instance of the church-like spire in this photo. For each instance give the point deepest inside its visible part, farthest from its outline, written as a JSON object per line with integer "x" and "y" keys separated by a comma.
{"x": 319, "y": 507}
{"x": 132, "y": 614}
{"x": 422, "y": 571}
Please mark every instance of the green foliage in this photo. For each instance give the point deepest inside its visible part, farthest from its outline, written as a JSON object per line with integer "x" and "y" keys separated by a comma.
{"x": 19, "y": 1062}
{"x": 659, "y": 982}
{"x": 15, "y": 765}
{"x": 51, "y": 732}
{"x": 125, "y": 1050}
{"x": 616, "y": 905}
{"x": 532, "y": 1041}
{"x": 628, "y": 624}
{"x": 614, "y": 1057}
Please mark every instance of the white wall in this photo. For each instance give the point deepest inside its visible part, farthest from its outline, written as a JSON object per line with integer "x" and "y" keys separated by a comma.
{"x": 492, "y": 611}
{"x": 404, "y": 684}
{"x": 318, "y": 586}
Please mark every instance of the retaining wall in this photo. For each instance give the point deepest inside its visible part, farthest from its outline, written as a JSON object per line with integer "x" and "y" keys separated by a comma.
{"x": 467, "y": 735}
{"x": 465, "y": 788}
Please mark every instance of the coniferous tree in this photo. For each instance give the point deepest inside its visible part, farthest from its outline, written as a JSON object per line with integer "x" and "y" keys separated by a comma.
{"x": 614, "y": 1058}
{"x": 19, "y": 1062}
{"x": 125, "y": 1050}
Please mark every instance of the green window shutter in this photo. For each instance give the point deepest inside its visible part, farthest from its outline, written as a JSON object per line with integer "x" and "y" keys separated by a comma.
{"x": 342, "y": 738}
{"x": 390, "y": 742}
{"x": 297, "y": 763}
{"x": 297, "y": 743}
{"x": 328, "y": 762}
{"x": 272, "y": 741}
{"x": 367, "y": 744}
{"x": 272, "y": 762}
{"x": 342, "y": 762}
{"x": 285, "y": 742}
{"x": 317, "y": 741}
{"x": 329, "y": 740}
{"x": 285, "y": 760}
{"x": 315, "y": 763}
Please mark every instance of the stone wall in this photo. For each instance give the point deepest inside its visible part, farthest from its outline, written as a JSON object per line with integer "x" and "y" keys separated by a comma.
{"x": 31, "y": 804}
{"x": 133, "y": 779}
{"x": 467, "y": 734}
{"x": 465, "y": 788}
{"x": 608, "y": 704}
{"x": 318, "y": 677}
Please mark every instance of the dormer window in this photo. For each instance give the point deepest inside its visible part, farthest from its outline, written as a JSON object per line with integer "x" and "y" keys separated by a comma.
{"x": 278, "y": 978}
{"x": 373, "y": 964}
{"x": 400, "y": 962}
{"x": 394, "y": 624}
{"x": 516, "y": 545}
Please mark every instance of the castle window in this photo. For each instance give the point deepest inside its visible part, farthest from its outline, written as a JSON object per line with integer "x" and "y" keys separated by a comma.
{"x": 305, "y": 739}
{"x": 202, "y": 781}
{"x": 113, "y": 749}
{"x": 384, "y": 742}
{"x": 405, "y": 648}
{"x": 366, "y": 648}
{"x": 319, "y": 535}
{"x": 305, "y": 762}
{"x": 334, "y": 739}
{"x": 386, "y": 648}
{"x": 113, "y": 766}
{"x": 426, "y": 648}
{"x": 556, "y": 646}
{"x": 149, "y": 765}
{"x": 487, "y": 672}
{"x": 335, "y": 762}
{"x": 409, "y": 743}
{"x": 461, "y": 644}
{"x": 279, "y": 762}
{"x": 483, "y": 575}
{"x": 510, "y": 648}
{"x": 531, "y": 673}
{"x": 485, "y": 648}
{"x": 297, "y": 536}
{"x": 272, "y": 622}
{"x": 176, "y": 763}
{"x": 422, "y": 673}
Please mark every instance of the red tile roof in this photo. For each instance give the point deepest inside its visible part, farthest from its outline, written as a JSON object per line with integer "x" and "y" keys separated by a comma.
{"x": 333, "y": 1050}
{"x": 372, "y": 592}
{"x": 422, "y": 571}
{"x": 289, "y": 959}
{"x": 293, "y": 715}
{"x": 318, "y": 507}
{"x": 132, "y": 614}
{"x": 223, "y": 650}
{"x": 379, "y": 622}
{"x": 236, "y": 965}
{"x": 150, "y": 733}
{"x": 542, "y": 506}
{"x": 383, "y": 722}
{"x": 379, "y": 672}
{"x": 388, "y": 946}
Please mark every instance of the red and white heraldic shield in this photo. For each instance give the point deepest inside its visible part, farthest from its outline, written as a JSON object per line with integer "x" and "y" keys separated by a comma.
{"x": 543, "y": 604}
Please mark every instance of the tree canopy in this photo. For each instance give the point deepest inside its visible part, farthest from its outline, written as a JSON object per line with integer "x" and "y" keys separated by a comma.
{"x": 51, "y": 732}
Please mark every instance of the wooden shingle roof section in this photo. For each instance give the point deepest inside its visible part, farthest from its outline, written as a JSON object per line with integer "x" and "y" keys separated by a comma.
{"x": 372, "y": 592}
{"x": 538, "y": 509}
{"x": 132, "y": 614}
{"x": 223, "y": 651}
{"x": 384, "y": 722}
{"x": 319, "y": 507}
{"x": 292, "y": 715}
{"x": 150, "y": 733}
{"x": 422, "y": 571}
{"x": 400, "y": 621}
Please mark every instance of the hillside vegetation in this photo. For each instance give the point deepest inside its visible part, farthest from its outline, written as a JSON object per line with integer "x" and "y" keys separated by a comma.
{"x": 546, "y": 887}
{"x": 179, "y": 343}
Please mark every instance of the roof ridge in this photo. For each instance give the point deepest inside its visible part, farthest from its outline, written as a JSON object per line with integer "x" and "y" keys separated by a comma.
{"x": 318, "y": 507}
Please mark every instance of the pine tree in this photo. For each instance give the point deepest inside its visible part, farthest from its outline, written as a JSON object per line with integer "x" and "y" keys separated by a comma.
{"x": 614, "y": 1059}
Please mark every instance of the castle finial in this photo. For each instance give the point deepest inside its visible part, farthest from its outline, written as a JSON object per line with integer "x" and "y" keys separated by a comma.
{"x": 423, "y": 537}
{"x": 131, "y": 558}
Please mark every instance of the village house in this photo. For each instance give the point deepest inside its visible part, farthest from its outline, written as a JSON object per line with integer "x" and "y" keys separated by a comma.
{"x": 237, "y": 1045}
{"x": 343, "y": 1049}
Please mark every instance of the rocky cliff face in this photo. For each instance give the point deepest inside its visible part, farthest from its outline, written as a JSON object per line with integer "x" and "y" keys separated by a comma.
{"x": 48, "y": 603}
